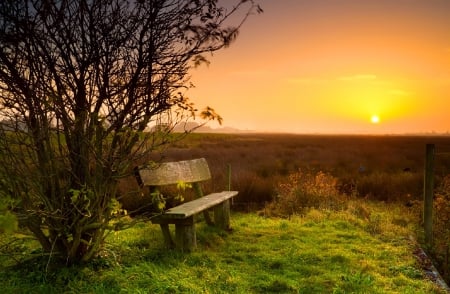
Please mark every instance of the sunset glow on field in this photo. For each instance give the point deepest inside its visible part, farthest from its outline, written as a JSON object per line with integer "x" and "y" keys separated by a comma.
{"x": 329, "y": 66}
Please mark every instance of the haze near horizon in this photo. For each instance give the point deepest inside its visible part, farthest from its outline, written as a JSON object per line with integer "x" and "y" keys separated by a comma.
{"x": 334, "y": 66}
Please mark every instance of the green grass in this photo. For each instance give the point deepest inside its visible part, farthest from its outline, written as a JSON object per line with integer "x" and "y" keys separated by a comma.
{"x": 365, "y": 249}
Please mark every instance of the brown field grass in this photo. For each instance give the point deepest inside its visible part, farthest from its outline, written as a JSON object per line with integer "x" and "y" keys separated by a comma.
{"x": 387, "y": 168}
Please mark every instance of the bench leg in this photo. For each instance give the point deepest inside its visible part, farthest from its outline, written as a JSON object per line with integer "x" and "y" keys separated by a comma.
{"x": 222, "y": 215}
{"x": 207, "y": 217}
{"x": 167, "y": 237}
{"x": 185, "y": 236}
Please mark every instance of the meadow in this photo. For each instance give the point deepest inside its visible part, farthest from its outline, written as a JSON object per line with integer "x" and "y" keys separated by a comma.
{"x": 320, "y": 252}
{"x": 387, "y": 169}
{"x": 314, "y": 214}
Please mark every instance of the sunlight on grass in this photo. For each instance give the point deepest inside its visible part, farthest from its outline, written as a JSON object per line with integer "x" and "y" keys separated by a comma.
{"x": 365, "y": 249}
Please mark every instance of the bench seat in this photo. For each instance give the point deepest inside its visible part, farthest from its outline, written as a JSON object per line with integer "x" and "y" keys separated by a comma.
{"x": 193, "y": 207}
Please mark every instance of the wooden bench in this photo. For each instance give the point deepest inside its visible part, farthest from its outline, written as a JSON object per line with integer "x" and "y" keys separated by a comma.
{"x": 183, "y": 216}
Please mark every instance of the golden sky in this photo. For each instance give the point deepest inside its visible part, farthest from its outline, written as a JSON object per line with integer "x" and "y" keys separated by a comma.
{"x": 330, "y": 66}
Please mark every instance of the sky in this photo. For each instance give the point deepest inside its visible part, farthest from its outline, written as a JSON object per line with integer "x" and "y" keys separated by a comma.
{"x": 334, "y": 66}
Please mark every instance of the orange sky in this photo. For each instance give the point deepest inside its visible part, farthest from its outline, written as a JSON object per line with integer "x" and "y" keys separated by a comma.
{"x": 328, "y": 66}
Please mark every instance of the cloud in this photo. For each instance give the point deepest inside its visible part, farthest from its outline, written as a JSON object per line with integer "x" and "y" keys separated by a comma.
{"x": 305, "y": 81}
{"x": 317, "y": 80}
{"x": 359, "y": 77}
{"x": 398, "y": 92}
{"x": 252, "y": 73}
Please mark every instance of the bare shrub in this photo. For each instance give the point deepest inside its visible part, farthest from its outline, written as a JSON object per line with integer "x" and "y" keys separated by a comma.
{"x": 304, "y": 190}
{"x": 81, "y": 83}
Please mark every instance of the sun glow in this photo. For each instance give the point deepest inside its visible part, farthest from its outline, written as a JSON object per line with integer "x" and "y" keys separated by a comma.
{"x": 375, "y": 119}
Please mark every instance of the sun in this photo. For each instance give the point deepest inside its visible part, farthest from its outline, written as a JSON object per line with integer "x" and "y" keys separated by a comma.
{"x": 375, "y": 119}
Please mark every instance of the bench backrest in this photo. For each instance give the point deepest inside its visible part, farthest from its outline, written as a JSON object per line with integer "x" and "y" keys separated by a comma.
{"x": 188, "y": 171}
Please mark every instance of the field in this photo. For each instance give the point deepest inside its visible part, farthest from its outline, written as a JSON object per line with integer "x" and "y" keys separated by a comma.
{"x": 314, "y": 214}
{"x": 386, "y": 168}
{"x": 389, "y": 169}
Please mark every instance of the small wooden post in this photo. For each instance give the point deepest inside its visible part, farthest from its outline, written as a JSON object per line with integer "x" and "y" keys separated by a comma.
{"x": 229, "y": 177}
{"x": 229, "y": 180}
{"x": 428, "y": 194}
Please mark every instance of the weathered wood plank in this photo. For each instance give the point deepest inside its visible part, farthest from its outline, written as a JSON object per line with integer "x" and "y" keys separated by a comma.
{"x": 169, "y": 173}
{"x": 195, "y": 206}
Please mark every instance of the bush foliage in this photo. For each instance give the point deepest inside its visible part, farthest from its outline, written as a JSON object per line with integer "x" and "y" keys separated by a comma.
{"x": 302, "y": 191}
